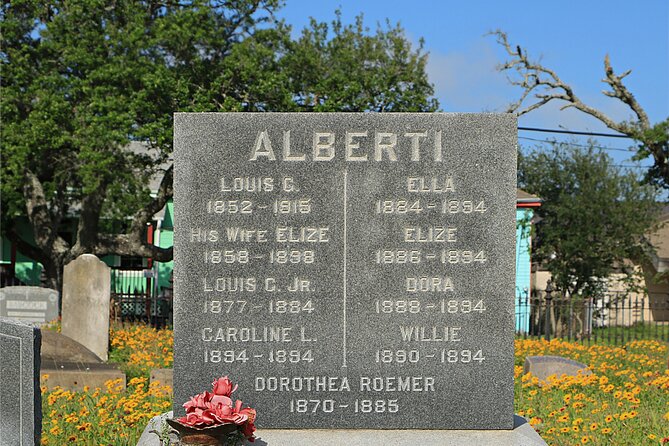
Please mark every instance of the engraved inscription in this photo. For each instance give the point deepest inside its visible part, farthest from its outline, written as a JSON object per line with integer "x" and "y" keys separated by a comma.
{"x": 355, "y": 145}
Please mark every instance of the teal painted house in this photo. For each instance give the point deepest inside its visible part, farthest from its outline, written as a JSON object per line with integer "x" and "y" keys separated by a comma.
{"x": 14, "y": 264}
{"x": 525, "y": 205}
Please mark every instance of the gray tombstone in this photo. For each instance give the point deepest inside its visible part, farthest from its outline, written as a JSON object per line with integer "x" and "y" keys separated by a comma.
{"x": 86, "y": 296}
{"x": 20, "y": 397}
{"x": 348, "y": 270}
{"x": 29, "y": 303}
{"x": 544, "y": 366}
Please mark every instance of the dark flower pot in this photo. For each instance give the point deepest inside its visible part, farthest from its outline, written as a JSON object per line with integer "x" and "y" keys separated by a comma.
{"x": 219, "y": 435}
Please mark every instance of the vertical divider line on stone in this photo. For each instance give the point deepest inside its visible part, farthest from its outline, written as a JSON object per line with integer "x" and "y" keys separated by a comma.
{"x": 21, "y": 371}
{"x": 345, "y": 249}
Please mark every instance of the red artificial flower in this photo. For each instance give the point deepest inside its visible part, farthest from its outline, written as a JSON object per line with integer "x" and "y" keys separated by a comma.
{"x": 210, "y": 409}
{"x": 223, "y": 386}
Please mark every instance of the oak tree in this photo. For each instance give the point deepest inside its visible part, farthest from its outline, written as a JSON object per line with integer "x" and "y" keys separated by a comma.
{"x": 82, "y": 80}
{"x": 594, "y": 217}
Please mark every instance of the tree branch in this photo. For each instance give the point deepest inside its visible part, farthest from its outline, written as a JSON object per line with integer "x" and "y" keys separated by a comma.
{"x": 134, "y": 242}
{"x": 621, "y": 92}
{"x": 547, "y": 86}
{"x": 165, "y": 192}
{"x": 89, "y": 219}
{"x": 131, "y": 245}
{"x": 231, "y": 28}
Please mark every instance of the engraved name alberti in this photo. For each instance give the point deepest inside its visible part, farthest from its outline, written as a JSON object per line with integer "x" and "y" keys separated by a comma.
{"x": 355, "y": 146}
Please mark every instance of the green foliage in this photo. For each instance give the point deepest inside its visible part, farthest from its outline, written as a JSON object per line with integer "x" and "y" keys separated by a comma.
{"x": 81, "y": 80}
{"x": 76, "y": 78}
{"x": 345, "y": 68}
{"x": 131, "y": 370}
{"x": 622, "y": 401}
{"x": 594, "y": 216}
{"x": 655, "y": 143}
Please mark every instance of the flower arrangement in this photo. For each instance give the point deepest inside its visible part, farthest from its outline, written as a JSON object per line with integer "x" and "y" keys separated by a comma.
{"x": 213, "y": 419}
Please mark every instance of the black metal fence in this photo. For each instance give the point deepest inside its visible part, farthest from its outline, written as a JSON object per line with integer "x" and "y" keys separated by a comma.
{"x": 614, "y": 318}
{"x": 136, "y": 297}
{"x": 7, "y": 277}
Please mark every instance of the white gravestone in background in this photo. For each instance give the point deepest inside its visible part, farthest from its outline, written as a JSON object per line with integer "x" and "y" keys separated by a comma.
{"x": 29, "y": 303}
{"x": 86, "y": 295}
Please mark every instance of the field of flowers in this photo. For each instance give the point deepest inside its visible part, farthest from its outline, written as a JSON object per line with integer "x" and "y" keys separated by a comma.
{"x": 140, "y": 348}
{"x": 109, "y": 416}
{"x": 113, "y": 416}
{"x": 625, "y": 401}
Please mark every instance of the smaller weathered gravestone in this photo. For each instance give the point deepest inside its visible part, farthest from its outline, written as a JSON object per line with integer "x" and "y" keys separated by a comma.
{"x": 29, "y": 303}
{"x": 58, "y": 347}
{"x": 71, "y": 366}
{"x": 86, "y": 296}
{"x": 544, "y": 366}
{"x": 164, "y": 377}
{"x": 20, "y": 398}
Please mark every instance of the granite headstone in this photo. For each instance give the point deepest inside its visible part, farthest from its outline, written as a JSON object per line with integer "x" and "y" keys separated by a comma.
{"x": 29, "y": 303}
{"x": 86, "y": 297}
{"x": 20, "y": 397}
{"x": 349, "y": 271}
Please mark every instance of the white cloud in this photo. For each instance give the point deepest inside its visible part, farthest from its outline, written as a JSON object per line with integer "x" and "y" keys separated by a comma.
{"x": 468, "y": 81}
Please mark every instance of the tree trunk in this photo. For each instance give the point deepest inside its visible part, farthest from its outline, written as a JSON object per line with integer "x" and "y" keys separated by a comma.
{"x": 54, "y": 252}
{"x": 53, "y": 270}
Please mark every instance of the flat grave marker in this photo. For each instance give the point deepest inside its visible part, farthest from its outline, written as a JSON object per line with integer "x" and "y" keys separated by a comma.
{"x": 349, "y": 271}
{"x": 544, "y": 366}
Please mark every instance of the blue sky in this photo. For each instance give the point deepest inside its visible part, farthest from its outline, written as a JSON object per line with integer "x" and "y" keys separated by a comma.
{"x": 571, "y": 37}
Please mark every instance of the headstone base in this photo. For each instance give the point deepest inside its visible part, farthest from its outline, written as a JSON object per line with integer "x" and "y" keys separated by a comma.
{"x": 521, "y": 435}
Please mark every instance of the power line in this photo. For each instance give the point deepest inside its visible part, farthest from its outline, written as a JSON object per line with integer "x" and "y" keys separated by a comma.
{"x": 573, "y": 132}
{"x": 631, "y": 167}
{"x": 626, "y": 166}
{"x": 577, "y": 145}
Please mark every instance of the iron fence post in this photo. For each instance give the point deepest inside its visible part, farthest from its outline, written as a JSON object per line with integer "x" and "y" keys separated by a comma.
{"x": 547, "y": 323}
